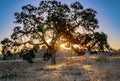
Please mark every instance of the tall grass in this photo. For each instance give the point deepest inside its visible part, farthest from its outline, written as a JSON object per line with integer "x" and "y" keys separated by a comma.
{"x": 11, "y": 69}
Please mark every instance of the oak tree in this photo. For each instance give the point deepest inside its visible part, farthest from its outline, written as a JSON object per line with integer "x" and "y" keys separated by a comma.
{"x": 59, "y": 23}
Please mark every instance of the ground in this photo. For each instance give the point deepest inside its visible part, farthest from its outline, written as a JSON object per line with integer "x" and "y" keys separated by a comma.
{"x": 82, "y": 68}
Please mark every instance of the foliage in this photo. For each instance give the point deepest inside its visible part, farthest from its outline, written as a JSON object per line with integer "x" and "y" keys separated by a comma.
{"x": 28, "y": 55}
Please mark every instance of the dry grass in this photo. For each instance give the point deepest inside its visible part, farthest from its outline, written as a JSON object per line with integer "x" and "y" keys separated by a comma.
{"x": 107, "y": 73}
{"x": 69, "y": 69}
{"x": 101, "y": 58}
{"x": 11, "y": 69}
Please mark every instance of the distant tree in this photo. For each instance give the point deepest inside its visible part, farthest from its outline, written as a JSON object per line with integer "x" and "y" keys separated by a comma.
{"x": 119, "y": 50}
{"x": 98, "y": 40}
{"x": 6, "y": 46}
{"x": 60, "y": 23}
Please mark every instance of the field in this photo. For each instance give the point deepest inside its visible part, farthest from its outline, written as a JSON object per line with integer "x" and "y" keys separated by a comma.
{"x": 82, "y": 68}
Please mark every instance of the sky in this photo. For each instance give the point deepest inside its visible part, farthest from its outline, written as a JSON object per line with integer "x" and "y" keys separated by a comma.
{"x": 108, "y": 14}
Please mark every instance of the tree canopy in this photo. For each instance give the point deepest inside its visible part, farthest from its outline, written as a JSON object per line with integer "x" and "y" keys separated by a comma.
{"x": 59, "y": 23}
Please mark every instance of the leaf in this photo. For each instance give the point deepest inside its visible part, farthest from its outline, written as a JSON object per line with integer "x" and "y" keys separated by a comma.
{"x": 40, "y": 28}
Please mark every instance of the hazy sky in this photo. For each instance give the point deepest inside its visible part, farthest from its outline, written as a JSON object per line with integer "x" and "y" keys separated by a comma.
{"x": 108, "y": 16}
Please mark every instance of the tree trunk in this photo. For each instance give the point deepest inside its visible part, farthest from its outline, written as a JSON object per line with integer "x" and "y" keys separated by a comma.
{"x": 52, "y": 52}
{"x": 53, "y": 60}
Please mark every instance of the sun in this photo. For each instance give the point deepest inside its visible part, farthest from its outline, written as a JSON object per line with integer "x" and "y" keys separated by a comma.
{"x": 48, "y": 41}
{"x": 64, "y": 47}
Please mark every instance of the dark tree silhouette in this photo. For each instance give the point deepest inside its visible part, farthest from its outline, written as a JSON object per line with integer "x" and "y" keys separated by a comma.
{"x": 6, "y": 46}
{"x": 59, "y": 23}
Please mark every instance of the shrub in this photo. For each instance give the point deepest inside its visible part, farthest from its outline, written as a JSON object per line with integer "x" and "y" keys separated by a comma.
{"x": 101, "y": 58}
